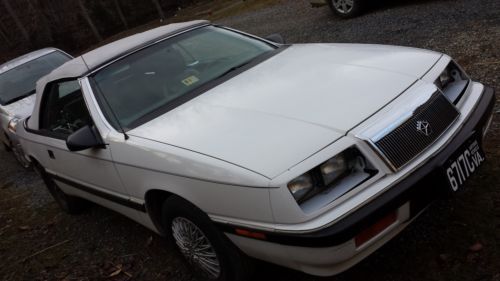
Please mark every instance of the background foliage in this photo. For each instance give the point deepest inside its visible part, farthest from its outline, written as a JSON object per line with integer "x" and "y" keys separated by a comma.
{"x": 73, "y": 25}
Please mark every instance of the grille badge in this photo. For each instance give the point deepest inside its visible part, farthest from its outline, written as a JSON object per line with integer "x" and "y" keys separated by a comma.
{"x": 427, "y": 123}
{"x": 424, "y": 127}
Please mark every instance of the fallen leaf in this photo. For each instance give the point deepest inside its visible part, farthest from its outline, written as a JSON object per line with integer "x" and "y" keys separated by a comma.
{"x": 24, "y": 228}
{"x": 476, "y": 247}
{"x": 116, "y": 272}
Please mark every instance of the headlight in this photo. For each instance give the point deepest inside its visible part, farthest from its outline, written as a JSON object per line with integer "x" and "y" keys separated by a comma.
{"x": 330, "y": 175}
{"x": 301, "y": 186}
{"x": 444, "y": 79}
{"x": 13, "y": 125}
{"x": 333, "y": 168}
{"x": 452, "y": 82}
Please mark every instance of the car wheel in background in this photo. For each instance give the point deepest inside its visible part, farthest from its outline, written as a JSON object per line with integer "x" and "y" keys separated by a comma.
{"x": 204, "y": 247}
{"x": 346, "y": 8}
{"x": 69, "y": 204}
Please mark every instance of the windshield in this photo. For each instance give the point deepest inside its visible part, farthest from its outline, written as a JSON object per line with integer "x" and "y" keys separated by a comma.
{"x": 153, "y": 79}
{"x": 20, "y": 82}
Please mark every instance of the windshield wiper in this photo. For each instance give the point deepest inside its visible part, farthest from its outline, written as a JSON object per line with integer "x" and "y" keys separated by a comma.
{"x": 235, "y": 68}
{"x": 20, "y": 97}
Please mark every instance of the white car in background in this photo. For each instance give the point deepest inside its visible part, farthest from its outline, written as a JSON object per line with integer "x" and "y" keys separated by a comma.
{"x": 310, "y": 156}
{"x": 17, "y": 91}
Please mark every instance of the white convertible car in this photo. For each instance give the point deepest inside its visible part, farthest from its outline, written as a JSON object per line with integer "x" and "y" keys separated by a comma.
{"x": 310, "y": 156}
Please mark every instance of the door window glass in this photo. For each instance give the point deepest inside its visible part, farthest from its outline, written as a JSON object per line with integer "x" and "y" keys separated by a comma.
{"x": 64, "y": 109}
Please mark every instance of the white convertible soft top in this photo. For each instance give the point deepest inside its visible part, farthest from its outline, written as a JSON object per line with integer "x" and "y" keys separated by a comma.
{"x": 25, "y": 58}
{"x": 81, "y": 65}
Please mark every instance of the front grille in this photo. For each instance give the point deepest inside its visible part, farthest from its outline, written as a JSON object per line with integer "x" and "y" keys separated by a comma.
{"x": 427, "y": 124}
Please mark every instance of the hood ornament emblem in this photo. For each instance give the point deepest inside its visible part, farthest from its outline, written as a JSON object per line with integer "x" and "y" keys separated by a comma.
{"x": 424, "y": 128}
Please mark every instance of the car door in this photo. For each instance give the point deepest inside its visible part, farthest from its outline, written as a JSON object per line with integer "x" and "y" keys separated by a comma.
{"x": 64, "y": 111}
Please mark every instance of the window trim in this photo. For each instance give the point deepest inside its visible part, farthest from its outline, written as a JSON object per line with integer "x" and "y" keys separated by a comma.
{"x": 43, "y": 102}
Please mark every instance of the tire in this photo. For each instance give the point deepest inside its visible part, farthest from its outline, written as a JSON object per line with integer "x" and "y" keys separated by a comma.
{"x": 227, "y": 262}
{"x": 69, "y": 204}
{"x": 347, "y": 8}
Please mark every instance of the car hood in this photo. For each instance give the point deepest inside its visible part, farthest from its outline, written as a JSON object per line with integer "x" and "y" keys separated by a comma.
{"x": 278, "y": 113}
{"x": 21, "y": 108}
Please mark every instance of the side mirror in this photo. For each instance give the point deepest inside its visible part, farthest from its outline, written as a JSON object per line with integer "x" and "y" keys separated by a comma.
{"x": 86, "y": 137}
{"x": 276, "y": 38}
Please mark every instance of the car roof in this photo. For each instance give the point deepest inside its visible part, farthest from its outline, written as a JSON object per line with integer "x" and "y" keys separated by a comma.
{"x": 98, "y": 57}
{"x": 103, "y": 54}
{"x": 26, "y": 58}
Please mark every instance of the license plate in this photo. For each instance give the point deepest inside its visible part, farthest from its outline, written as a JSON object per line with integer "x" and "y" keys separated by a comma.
{"x": 464, "y": 162}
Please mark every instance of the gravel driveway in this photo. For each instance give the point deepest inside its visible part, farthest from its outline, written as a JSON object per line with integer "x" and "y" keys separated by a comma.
{"x": 456, "y": 239}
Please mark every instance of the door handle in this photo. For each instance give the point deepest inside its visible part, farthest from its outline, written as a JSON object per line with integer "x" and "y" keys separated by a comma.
{"x": 51, "y": 154}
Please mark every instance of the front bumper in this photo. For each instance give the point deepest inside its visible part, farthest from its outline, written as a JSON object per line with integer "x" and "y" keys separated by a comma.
{"x": 332, "y": 250}
{"x": 11, "y": 140}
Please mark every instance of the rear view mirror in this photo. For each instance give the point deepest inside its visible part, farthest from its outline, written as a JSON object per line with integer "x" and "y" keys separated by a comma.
{"x": 85, "y": 138}
{"x": 276, "y": 38}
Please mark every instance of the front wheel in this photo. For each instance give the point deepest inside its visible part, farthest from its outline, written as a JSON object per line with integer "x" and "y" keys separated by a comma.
{"x": 203, "y": 246}
{"x": 347, "y": 8}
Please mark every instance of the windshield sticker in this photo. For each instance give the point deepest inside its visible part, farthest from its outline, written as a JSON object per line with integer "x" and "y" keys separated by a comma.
{"x": 190, "y": 80}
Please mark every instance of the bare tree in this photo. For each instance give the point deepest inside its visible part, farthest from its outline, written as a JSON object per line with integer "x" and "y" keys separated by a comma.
{"x": 120, "y": 13}
{"x": 14, "y": 16}
{"x": 158, "y": 8}
{"x": 86, "y": 15}
{"x": 4, "y": 35}
{"x": 40, "y": 22}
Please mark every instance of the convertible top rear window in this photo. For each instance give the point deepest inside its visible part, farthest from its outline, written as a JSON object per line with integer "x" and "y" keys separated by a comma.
{"x": 151, "y": 81}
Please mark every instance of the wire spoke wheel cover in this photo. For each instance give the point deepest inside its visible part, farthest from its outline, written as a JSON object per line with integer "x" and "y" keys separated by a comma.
{"x": 343, "y": 6}
{"x": 196, "y": 247}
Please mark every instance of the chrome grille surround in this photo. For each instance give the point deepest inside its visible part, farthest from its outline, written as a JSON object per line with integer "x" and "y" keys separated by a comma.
{"x": 423, "y": 127}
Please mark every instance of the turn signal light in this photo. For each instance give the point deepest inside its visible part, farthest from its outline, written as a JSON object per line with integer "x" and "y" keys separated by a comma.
{"x": 375, "y": 229}
{"x": 250, "y": 234}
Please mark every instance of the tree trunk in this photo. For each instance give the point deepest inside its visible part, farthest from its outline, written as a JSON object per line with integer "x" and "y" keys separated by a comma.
{"x": 4, "y": 36}
{"x": 40, "y": 11}
{"x": 160, "y": 11}
{"x": 89, "y": 20}
{"x": 19, "y": 25}
{"x": 120, "y": 13}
